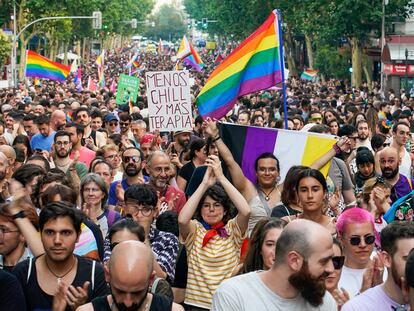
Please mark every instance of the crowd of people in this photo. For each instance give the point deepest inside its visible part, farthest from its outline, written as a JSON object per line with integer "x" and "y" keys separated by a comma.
{"x": 99, "y": 213}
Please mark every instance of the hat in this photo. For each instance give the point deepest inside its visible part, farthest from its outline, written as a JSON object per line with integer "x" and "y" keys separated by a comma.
{"x": 123, "y": 108}
{"x": 110, "y": 117}
{"x": 409, "y": 270}
{"x": 6, "y": 108}
{"x": 27, "y": 100}
{"x": 181, "y": 132}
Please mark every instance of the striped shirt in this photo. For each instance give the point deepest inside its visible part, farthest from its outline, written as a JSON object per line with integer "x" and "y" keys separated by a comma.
{"x": 210, "y": 265}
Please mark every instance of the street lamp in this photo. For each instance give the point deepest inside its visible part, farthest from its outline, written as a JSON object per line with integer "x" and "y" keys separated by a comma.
{"x": 406, "y": 67}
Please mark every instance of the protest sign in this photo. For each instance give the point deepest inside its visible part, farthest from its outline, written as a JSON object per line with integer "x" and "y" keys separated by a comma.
{"x": 128, "y": 87}
{"x": 169, "y": 101}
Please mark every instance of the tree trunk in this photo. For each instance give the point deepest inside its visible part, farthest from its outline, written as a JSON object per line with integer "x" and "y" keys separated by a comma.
{"x": 367, "y": 68}
{"x": 288, "y": 45}
{"x": 356, "y": 47}
{"x": 65, "y": 52}
{"x": 309, "y": 51}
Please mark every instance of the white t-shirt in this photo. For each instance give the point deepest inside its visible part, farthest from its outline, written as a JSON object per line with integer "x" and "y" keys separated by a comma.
{"x": 248, "y": 292}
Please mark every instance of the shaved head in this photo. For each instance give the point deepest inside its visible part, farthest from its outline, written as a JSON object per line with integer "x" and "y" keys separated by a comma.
{"x": 389, "y": 151}
{"x": 300, "y": 236}
{"x": 131, "y": 258}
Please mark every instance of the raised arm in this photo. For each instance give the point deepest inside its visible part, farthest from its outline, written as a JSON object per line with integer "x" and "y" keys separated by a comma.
{"x": 342, "y": 144}
{"x": 188, "y": 210}
{"x": 238, "y": 200}
{"x": 240, "y": 181}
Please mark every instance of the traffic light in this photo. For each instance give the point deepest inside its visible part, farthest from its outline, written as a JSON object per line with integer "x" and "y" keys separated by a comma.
{"x": 97, "y": 20}
{"x": 204, "y": 23}
{"x": 134, "y": 23}
{"x": 189, "y": 24}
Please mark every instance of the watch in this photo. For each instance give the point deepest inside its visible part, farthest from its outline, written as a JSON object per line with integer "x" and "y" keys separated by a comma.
{"x": 20, "y": 214}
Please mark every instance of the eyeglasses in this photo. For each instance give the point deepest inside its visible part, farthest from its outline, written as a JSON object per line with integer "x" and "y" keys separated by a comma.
{"x": 124, "y": 123}
{"x": 112, "y": 156}
{"x": 5, "y": 230}
{"x": 316, "y": 119}
{"x": 134, "y": 159}
{"x": 267, "y": 170}
{"x": 60, "y": 143}
{"x": 338, "y": 262}
{"x": 145, "y": 211}
{"x": 356, "y": 240}
{"x": 93, "y": 190}
{"x": 113, "y": 123}
{"x": 386, "y": 145}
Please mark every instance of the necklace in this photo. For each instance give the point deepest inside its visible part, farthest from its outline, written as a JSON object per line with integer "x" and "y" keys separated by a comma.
{"x": 59, "y": 278}
{"x": 64, "y": 165}
{"x": 267, "y": 198}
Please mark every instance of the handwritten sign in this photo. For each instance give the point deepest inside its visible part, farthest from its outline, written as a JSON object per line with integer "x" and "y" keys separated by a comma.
{"x": 128, "y": 87}
{"x": 169, "y": 101}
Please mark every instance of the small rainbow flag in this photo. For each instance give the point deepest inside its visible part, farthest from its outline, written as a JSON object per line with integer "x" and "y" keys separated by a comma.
{"x": 253, "y": 66}
{"x": 309, "y": 74}
{"x": 189, "y": 55}
{"x": 42, "y": 67}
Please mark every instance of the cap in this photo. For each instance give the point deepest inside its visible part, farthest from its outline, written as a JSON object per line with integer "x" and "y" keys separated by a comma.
{"x": 6, "y": 108}
{"x": 409, "y": 270}
{"x": 147, "y": 138}
{"x": 181, "y": 132}
{"x": 110, "y": 117}
{"x": 123, "y": 108}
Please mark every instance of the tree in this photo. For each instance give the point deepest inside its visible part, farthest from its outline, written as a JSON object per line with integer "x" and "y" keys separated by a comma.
{"x": 5, "y": 47}
{"x": 169, "y": 23}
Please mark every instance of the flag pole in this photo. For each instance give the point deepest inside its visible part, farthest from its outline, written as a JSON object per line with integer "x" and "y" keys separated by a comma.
{"x": 282, "y": 65}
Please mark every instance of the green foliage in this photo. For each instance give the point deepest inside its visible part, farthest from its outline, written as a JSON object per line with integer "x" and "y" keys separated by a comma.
{"x": 168, "y": 24}
{"x": 333, "y": 64}
{"x": 5, "y": 47}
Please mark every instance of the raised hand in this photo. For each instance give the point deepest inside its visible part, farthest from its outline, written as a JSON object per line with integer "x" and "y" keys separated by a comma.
{"x": 215, "y": 163}
{"x": 210, "y": 128}
{"x": 341, "y": 296}
{"x": 77, "y": 296}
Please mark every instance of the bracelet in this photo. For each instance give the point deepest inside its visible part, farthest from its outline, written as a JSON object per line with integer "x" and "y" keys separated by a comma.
{"x": 336, "y": 148}
{"x": 216, "y": 138}
{"x": 20, "y": 214}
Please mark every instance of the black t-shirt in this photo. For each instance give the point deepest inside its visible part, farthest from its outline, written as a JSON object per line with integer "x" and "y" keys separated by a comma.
{"x": 37, "y": 299}
{"x": 11, "y": 293}
{"x": 159, "y": 303}
{"x": 282, "y": 210}
{"x": 187, "y": 170}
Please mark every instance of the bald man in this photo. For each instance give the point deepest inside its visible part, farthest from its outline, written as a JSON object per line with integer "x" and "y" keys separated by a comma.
{"x": 296, "y": 280}
{"x": 10, "y": 154}
{"x": 57, "y": 120}
{"x": 130, "y": 273}
{"x": 389, "y": 161}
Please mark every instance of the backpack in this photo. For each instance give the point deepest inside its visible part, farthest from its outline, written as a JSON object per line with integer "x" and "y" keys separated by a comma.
{"x": 402, "y": 209}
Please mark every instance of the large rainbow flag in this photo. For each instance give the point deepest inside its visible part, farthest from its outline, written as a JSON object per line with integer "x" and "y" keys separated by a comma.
{"x": 189, "y": 55}
{"x": 253, "y": 66}
{"x": 309, "y": 74}
{"x": 42, "y": 67}
{"x": 247, "y": 143}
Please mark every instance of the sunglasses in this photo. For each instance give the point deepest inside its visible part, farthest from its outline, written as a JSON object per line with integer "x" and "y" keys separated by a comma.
{"x": 113, "y": 124}
{"x": 356, "y": 240}
{"x": 134, "y": 159}
{"x": 338, "y": 262}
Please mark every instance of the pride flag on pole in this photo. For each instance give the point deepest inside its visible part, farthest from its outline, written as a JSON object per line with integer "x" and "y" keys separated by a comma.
{"x": 188, "y": 55}
{"x": 100, "y": 61}
{"x": 253, "y": 66}
{"x": 41, "y": 67}
{"x": 247, "y": 143}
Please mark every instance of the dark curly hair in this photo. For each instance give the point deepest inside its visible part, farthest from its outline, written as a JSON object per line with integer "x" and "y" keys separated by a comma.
{"x": 217, "y": 193}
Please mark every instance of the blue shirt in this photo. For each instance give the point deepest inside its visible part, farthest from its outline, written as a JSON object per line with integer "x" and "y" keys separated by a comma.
{"x": 41, "y": 142}
{"x": 112, "y": 200}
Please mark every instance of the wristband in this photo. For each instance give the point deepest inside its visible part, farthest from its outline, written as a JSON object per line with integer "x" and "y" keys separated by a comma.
{"x": 20, "y": 214}
{"x": 216, "y": 138}
{"x": 336, "y": 148}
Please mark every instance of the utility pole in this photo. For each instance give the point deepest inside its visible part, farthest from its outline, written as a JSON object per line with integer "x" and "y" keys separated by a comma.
{"x": 95, "y": 17}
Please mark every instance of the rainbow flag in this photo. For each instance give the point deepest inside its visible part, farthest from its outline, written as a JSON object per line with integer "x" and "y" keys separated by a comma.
{"x": 309, "y": 74}
{"x": 188, "y": 55}
{"x": 247, "y": 143}
{"x": 42, "y": 67}
{"x": 253, "y": 66}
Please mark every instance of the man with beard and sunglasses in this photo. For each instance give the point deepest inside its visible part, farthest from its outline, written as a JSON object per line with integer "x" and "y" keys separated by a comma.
{"x": 389, "y": 161}
{"x": 296, "y": 280}
{"x": 397, "y": 240}
{"x": 132, "y": 164}
{"x": 130, "y": 273}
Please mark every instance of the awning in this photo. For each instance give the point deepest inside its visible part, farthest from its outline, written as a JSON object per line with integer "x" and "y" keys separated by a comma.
{"x": 397, "y": 52}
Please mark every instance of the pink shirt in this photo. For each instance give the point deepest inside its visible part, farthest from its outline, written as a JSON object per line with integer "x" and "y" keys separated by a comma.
{"x": 86, "y": 156}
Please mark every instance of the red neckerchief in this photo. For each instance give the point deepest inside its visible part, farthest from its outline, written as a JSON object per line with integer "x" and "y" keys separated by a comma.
{"x": 218, "y": 228}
